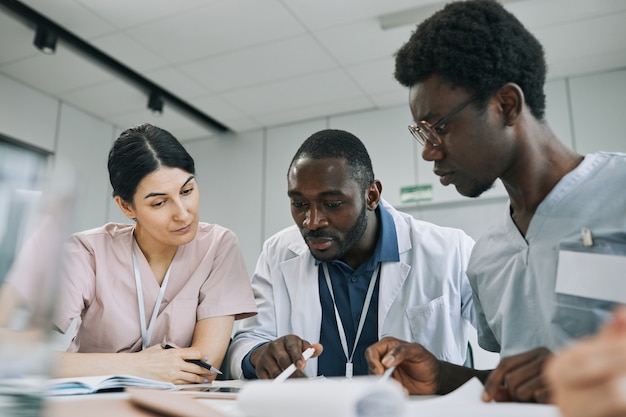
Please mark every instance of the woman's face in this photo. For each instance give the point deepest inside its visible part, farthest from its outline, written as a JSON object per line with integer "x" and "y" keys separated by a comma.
{"x": 165, "y": 207}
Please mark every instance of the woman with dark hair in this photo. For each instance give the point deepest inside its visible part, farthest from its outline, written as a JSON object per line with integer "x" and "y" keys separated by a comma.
{"x": 166, "y": 279}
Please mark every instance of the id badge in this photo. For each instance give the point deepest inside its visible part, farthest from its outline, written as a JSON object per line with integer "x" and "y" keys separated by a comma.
{"x": 592, "y": 275}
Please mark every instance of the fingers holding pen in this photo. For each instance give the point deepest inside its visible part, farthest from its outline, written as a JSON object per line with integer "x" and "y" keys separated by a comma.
{"x": 381, "y": 355}
{"x": 272, "y": 358}
{"x": 415, "y": 367}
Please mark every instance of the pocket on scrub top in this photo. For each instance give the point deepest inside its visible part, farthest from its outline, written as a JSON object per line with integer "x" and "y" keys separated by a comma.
{"x": 580, "y": 316}
{"x": 589, "y": 282}
{"x": 183, "y": 318}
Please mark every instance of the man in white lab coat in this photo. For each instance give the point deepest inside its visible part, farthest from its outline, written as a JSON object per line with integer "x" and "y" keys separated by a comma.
{"x": 350, "y": 271}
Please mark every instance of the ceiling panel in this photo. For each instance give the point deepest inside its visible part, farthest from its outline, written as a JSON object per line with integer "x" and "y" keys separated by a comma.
{"x": 219, "y": 108}
{"x": 305, "y": 91}
{"x": 172, "y": 120}
{"x": 73, "y": 16}
{"x": 292, "y": 57}
{"x": 129, "y": 52}
{"x": 114, "y": 97}
{"x": 175, "y": 80}
{"x": 258, "y": 63}
{"x": 217, "y": 28}
{"x": 58, "y": 73}
{"x": 376, "y": 77}
{"x": 580, "y": 43}
{"x": 346, "y": 42}
{"x": 543, "y": 14}
{"x": 313, "y": 111}
{"x": 323, "y": 14}
{"x": 15, "y": 40}
{"x": 128, "y": 13}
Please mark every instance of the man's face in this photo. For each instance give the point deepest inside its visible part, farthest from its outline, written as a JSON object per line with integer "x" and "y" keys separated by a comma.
{"x": 328, "y": 205}
{"x": 473, "y": 153}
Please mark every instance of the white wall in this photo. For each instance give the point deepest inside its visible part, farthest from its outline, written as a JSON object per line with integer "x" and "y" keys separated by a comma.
{"x": 599, "y": 112}
{"x": 229, "y": 174}
{"x": 242, "y": 177}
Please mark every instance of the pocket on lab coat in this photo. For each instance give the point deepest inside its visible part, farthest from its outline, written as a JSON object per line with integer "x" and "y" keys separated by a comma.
{"x": 437, "y": 328}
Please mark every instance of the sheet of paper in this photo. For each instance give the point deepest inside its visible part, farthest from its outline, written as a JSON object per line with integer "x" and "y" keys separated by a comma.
{"x": 466, "y": 402}
{"x": 365, "y": 396}
{"x": 592, "y": 275}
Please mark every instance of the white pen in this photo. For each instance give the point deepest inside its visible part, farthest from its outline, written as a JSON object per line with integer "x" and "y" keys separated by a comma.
{"x": 292, "y": 368}
{"x": 387, "y": 373}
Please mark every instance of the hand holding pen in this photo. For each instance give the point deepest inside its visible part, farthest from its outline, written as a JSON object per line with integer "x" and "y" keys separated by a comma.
{"x": 198, "y": 362}
{"x": 276, "y": 356}
{"x": 282, "y": 377}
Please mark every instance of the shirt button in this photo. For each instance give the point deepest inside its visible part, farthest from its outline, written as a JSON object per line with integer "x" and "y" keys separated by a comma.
{"x": 353, "y": 279}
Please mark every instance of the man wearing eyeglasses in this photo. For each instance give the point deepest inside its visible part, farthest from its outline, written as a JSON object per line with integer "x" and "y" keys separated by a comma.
{"x": 475, "y": 77}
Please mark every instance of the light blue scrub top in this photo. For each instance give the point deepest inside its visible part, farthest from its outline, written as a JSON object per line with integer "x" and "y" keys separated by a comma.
{"x": 513, "y": 277}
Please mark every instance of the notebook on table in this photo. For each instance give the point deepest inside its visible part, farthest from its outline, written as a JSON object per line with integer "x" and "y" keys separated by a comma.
{"x": 104, "y": 383}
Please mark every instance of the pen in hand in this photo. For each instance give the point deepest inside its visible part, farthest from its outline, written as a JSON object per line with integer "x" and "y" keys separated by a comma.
{"x": 198, "y": 362}
{"x": 387, "y": 374}
{"x": 292, "y": 368}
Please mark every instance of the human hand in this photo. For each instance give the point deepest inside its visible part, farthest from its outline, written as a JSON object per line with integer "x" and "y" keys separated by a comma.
{"x": 170, "y": 365}
{"x": 589, "y": 378}
{"x": 519, "y": 378}
{"x": 272, "y": 358}
{"x": 416, "y": 368}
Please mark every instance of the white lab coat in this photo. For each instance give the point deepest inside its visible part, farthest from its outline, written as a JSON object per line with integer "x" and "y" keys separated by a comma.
{"x": 425, "y": 297}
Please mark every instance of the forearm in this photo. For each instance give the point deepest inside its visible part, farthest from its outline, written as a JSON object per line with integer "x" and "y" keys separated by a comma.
{"x": 451, "y": 376}
{"x": 211, "y": 338}
{"x": 70, "y": 364}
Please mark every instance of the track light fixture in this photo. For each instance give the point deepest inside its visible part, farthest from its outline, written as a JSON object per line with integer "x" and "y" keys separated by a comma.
{"x": 71, "y": 41}
{"x": 155, "y": 104}
{"x": 45, "y": 40}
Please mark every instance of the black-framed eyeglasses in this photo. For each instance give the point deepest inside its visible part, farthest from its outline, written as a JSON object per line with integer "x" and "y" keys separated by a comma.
{"x": 424, "y": 132}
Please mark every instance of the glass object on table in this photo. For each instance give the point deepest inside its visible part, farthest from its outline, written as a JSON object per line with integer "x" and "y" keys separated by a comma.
{"x": 36, "y": 206}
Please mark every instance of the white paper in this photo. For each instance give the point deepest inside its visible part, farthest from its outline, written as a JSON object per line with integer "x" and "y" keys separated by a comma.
{"x": 357, "y": 397}
{"x": 466, "y": 402}
{"x": 592, "y": 275}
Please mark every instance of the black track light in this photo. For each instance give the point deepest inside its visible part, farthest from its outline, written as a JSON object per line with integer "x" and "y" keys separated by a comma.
{"x": 45, "y": 40}
{"x": 155, "y": 103}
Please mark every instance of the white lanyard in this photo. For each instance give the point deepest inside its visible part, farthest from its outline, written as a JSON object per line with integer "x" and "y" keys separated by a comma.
{"x": 146, "y": 332}
{"x": 340, "y": 328}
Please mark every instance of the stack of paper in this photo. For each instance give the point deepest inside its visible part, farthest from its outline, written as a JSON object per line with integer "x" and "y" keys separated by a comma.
{"x": 371, "y": 396}
{"x": 466, "y": 401}
{"x": 356, "y": 397}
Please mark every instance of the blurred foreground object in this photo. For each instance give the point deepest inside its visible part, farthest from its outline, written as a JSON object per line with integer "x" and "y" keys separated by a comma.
{"x": 39, "y": 214}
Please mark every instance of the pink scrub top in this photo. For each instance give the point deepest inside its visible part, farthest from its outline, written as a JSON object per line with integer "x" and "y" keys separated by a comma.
{"x": 208, "y": 278}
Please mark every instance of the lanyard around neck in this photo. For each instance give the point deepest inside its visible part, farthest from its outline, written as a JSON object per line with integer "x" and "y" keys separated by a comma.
{"x": 146, "y": 332}
{"x": 340, "y": 327}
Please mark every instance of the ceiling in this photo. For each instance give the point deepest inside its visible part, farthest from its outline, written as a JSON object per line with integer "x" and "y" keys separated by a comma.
{"x": 251, "y": 64}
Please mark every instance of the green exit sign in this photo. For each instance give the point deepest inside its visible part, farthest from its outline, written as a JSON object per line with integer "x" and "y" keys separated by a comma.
{"x": 414, "y": 193}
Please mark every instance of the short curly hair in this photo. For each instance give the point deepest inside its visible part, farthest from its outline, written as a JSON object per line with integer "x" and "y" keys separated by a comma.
{"x": 335, "y": 143}
{"x": 478, "y": 45}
